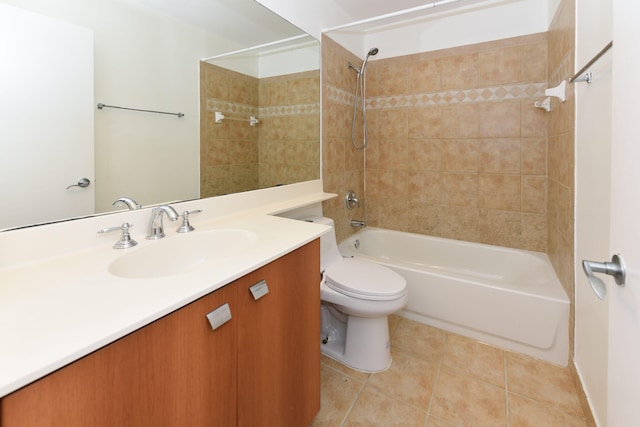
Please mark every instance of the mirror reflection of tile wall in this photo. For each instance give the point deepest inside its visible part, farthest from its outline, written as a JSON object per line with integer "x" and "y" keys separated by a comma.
{"x": 283, "y": 148}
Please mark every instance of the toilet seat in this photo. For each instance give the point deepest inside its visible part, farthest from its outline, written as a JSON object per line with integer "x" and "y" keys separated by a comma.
{"x": 364, "y": 280}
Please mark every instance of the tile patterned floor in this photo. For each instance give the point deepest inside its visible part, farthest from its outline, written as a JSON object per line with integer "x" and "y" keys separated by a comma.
{"x": 439, "y": 379}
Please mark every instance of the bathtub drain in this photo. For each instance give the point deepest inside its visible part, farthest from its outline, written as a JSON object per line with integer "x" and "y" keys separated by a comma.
{"x": 357, "y": 244}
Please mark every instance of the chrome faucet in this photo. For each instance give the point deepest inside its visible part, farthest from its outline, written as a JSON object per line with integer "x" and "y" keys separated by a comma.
{"x": 128, "y": 202}
{"x": 357, "y": 223}
{"x": 156, "y": 229}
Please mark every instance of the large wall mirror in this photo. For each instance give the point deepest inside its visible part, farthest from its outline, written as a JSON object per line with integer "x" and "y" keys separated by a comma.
{"x": 186, "y": 64}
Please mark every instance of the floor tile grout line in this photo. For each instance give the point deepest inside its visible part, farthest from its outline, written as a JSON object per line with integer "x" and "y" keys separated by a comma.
{"x": 353, "y": 403}
{"x": 435, "y": 382}
{"x": 394, "y": 397}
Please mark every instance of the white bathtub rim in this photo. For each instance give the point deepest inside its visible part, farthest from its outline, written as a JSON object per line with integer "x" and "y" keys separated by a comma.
{"x": 551, "y": 291}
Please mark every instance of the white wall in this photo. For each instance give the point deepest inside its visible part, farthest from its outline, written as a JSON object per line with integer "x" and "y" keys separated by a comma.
{"x": 277, "y": 60}
{"x": 593, "y": 183}
{"x": 474, "y": 24}
{"x": 445, "y": 28}
{"x": 142, "y": 60}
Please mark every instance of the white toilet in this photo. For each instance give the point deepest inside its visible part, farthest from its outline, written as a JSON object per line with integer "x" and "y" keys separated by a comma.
{"x": 357, "y": 296}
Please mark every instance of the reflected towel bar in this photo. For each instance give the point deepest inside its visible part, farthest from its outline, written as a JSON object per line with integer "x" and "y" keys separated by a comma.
{"x": 101, "y": 106}
{"x": 576, "y": 77}
{"x": 219, "y": 117}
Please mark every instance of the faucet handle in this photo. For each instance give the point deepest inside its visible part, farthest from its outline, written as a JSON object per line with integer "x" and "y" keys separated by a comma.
{"x": 351, "y": 200}
{"x": 186, "y": 227}
{"x": 125, "y": 239}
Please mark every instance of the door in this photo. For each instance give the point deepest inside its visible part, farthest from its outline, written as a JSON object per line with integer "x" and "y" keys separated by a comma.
{"x": 46, "y": 118}
{"x": 624, "y": 302}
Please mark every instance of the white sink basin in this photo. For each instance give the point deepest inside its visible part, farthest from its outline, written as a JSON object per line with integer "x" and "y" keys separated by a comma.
{"x": 181, "y": 254}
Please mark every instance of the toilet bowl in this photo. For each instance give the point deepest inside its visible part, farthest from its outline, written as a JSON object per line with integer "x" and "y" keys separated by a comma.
{"x": 356, "y": 298}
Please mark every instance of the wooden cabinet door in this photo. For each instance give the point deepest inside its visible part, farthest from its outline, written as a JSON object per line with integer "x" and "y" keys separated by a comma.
{"x": 278, "y": 342}
{"x": 177, "y": 371}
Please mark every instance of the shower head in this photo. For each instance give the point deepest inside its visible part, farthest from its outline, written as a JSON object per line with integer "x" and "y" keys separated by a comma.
{"x": 372, "y": 51}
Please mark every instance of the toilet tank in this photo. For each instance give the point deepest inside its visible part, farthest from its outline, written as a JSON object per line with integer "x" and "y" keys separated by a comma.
{"x": 328, "y": 246}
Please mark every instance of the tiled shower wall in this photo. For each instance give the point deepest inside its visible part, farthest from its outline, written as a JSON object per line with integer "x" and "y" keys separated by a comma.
{"x": 561, "y": 158}
{"x": 282, "y": 148}
{"x": 342, "y": 165}
{"x": 456, "y": 147}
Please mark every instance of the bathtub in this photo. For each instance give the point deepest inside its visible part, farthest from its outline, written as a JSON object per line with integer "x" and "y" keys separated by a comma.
{"x": 505, "y": 297}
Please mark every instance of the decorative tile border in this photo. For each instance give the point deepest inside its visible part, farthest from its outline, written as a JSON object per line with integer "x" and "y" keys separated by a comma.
{"x": 250, "y": 110}
{"x": 486, "y": 94}
{"x": 290, "y": 110}
{"x": 231, "y": 107}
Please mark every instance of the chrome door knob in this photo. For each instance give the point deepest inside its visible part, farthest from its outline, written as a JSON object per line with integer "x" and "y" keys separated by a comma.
{"x": 82, "y": 183}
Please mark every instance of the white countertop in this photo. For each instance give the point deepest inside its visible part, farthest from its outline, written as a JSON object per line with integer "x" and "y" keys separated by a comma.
{"x": 58, "y": 309}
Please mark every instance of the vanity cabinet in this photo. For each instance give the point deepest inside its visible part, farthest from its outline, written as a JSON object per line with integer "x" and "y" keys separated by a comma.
{"x": 261, "y": 368}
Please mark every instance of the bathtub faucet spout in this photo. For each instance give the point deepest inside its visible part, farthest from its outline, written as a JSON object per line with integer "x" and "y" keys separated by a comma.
{"x": 358, "y": 223}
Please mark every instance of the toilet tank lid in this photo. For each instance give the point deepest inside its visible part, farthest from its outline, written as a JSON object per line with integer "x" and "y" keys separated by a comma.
{"x": 365, "y": 279}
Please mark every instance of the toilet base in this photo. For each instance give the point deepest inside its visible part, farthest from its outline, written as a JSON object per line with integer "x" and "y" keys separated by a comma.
{"x": 357, "y": 342}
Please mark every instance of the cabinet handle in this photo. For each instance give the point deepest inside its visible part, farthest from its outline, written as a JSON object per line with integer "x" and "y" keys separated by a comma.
{"x": 259, "y": 290}
{"x": 219, "y": 316}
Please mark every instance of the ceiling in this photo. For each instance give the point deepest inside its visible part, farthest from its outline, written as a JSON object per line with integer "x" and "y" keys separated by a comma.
{"x": 244, "y": 22}
{"x": 247, "y": 23}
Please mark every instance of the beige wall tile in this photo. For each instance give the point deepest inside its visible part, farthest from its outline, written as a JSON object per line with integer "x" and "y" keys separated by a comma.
{"x": 394, "y": 125}
{"x": 423, "y": 218}
{"x": 500, "y": 155}
{"x": 500, "y": 66}
{"x": 394, "y": 184}
{"x": 534, "y": 62}
{"x": 424, "y": 122}
{"x": 459, "y": 222}
{"x": 534, "y": 194}
{"x": 501, "y": 192}
{"x": 460, "y": 189}
{"x": 393, "y": 154}
{"x": 459, "y": 71}
{"x": 424, "y": 76}
{"x": 534, "y": 156}
{"x": 425, "y": 155}
{"x": 501, "y": 228}
{"x": 534, "y": 232}
{"x": 392, "y": 78}
{"x": 460, "y": 121}
{"x": 424, "y": 187}
{"x": 460, "y": 155}
{"x": 534, "y": 120}
{"x": 240, "y": 90}
{"x": 500, "y": 119}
